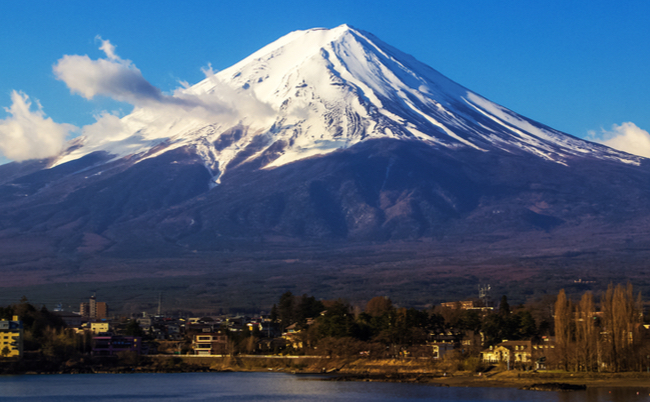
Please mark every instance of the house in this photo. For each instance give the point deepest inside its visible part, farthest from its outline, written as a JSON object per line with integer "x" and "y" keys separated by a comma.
{"x": 173, "y": 332}
{"x": 210, "y": 343}
{"x": 145, "y": 322}
{"x": 542, "y": 351}
{"x": 72, "y": 320}
{"x": 272, "y": 345}
{"x": 203, "y": 325}
{"x": 459, "y": 305}
{"x": 11, "y": 338}
{"x": 447, "y": 336}
{"x": 466, "y": 305}
{"x": 270, "y": 329}
{"x": 292, "y": 334}
{"x": 515, "y": 353}
{"x": 495, "y": 354}
{"x": 99, "y": 327}
{"x": 522, "y": 351}
{"x": 110, "y": 345}
{"x": 441, "y": 349}
{"x": 292, "y": 337}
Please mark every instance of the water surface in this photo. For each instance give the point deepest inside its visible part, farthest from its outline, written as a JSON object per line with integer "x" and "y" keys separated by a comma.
{"x": 272, "y": 387}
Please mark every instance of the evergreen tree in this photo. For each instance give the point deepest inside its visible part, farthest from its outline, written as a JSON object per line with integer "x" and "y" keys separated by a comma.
{"x": 133, "y": 329}
{"x": 286, "y": 309}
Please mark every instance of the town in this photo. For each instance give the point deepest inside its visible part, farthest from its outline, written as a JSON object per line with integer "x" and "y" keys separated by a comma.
{"x": 477, "y": 336}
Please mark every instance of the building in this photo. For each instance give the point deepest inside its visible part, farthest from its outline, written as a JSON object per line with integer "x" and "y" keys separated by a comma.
{"x": 459, "y": 305}
{"x": 72, "y": 320}
{"x": 515, "y": 353}
{"x": 94, "y": 310}
{"x": 210, "y": 343}
{"x": 11, "y": 338}
{"x": 543, "y": 351}
{"x": 466, "y": 305}
{"x": 441, "y": 349}
{"x": 101, "y": 311}
{"x": 109, "y": 345}
{"x": 99, "y": 327}
{"x": 293, "y": 332}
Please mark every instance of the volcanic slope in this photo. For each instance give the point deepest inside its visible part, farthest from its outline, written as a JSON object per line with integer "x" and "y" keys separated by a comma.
{"x": 334, "y": 153}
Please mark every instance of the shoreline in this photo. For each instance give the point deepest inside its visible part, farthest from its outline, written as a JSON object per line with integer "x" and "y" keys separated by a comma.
{"x": 339, "y": 369}
{"x": 426, "y": 372}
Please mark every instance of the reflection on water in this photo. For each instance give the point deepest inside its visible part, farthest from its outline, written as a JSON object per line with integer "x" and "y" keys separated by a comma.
{"x": 270, "y": 387}
{"x": 608, "y": 394}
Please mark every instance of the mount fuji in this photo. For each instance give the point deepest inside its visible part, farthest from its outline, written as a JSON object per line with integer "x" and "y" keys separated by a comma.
{"x": 326, "y": 162}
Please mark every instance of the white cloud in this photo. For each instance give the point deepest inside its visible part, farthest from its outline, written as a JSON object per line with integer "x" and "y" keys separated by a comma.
{"x": 626, "y": 137}
{"x": 223, "y": 101}
{"x": 108, "y": 127}
{"x": 27, "y": 134}
{"x": 113, "y": 77}
{"x": 108, "y": 48}
{"x": 121, "y": 80}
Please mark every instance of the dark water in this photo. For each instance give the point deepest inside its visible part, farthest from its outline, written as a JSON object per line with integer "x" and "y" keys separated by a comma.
{"x": 268, "y": 387}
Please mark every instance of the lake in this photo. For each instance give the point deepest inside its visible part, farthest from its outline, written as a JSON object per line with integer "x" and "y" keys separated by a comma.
{"x": 269, "y": 387}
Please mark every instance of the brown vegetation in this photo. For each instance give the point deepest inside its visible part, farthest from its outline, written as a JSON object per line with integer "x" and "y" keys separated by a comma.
{"x": 613, "y": 339}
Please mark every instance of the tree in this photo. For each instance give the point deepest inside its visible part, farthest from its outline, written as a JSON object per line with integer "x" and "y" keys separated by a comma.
{"x": 274, "y": 313}
{"x": 133, "y": 329}
{"x": 493, "y": 329}
{"x": 541, "y": 309}
{"x": 307, "y": 307}
{"x": 526, "y": 325}
{"x": 337, "y": 322}
{"x": 586, "y": 333}
{"x": 469, "y": 320}
{"x": 504, "y": 307}
{"x": 378, "y": 306}
{"x": 563, "y": 321}
{"x": 59, "y": 344}
{"x": 285, "y": 309}
{"x": 621, "y": 319}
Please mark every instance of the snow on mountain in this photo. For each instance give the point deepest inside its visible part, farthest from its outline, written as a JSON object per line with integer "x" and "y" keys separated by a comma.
{"x": 315, "y": 91}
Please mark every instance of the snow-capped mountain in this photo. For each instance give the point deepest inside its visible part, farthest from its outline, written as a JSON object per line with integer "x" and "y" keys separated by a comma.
{"x": 323, "y": 146}
{"x": 316, "y": 91}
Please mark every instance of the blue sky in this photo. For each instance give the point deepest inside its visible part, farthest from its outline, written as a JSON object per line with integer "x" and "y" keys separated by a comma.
{"x": 576, "y": 66}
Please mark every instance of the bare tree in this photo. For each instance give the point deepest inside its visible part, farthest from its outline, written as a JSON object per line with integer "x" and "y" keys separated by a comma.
{"x": 586, "y": 333}
{"x": 563, "y": 332}
{"x": 621, "y": 321}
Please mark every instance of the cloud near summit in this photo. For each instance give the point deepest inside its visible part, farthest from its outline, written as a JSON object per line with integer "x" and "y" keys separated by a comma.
{"x": 627, "y": 137}
{"x": 121, "y": 80}
{"x": 112, "y": 76}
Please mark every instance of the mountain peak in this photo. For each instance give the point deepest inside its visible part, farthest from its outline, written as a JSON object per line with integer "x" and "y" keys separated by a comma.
{"x": 315, "y": 91}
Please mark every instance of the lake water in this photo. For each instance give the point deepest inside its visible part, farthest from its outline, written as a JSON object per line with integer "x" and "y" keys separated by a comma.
{"x": 269, "y": 387}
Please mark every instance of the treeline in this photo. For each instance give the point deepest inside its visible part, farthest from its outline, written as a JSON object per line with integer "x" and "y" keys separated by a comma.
{"x": 44, "y": 331}
{"x": 381, "y": 326}
{"x": 46, "y": 334}
{"x": 607, "y": 334}
{"x": 611, "y": 338}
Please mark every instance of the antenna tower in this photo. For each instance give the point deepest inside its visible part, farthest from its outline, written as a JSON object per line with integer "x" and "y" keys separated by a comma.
{"x": 484, "y": 294}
